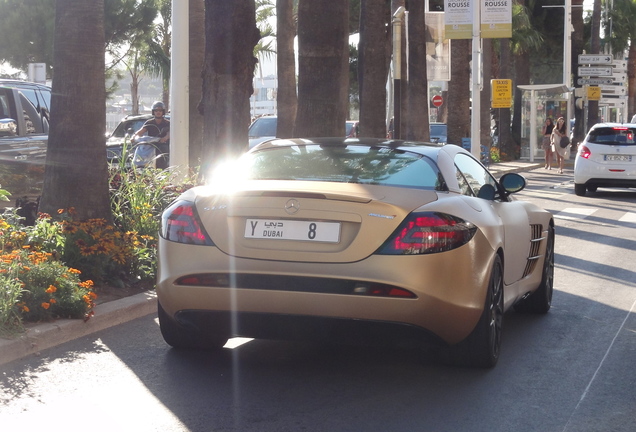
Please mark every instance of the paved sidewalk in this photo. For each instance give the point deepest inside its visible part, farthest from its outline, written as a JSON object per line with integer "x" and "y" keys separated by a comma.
{"x": 39, "y": 337}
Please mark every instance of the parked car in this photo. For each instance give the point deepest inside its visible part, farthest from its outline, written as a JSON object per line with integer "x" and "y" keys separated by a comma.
{"x": 121, "y": 135}
{"x": 606, "y": 158}
{"x": 262, "y": 129}
{"x": 438, "y": 132}
{"x": 24, "y": 128}
{"x": 364, "y": 240}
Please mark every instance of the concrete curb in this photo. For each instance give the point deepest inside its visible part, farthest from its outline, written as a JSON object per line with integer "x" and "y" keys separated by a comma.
{"x": 47, "y": 335}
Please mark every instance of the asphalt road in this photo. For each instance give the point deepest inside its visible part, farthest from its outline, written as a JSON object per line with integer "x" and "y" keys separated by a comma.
{"x": 571, "y": 370}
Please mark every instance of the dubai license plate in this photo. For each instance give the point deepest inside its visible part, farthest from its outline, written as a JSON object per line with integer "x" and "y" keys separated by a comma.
{"x": 283, "y": 229}
{"x": 618, "y": 158}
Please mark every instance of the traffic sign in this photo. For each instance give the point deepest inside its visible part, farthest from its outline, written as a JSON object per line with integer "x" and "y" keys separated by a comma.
{"x": 593, "y": 93}
{"x": 614, "y": 89}
{"x": 613, "y": 102}
{"x": 594, "y": 81}
{"x": 595, "y": 71}
{"x": 594, "y": 59}
{"x": 437, "y": 101}
{"x": 619, "y": 65}
{"x": 501, "y": 93}
{"x": 620, "y": 77}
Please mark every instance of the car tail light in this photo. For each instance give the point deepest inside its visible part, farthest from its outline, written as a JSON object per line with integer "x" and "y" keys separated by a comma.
{"x": 180, "y": 223}
{"x": 426, "y": 233}
{"x": 585, "y": 152}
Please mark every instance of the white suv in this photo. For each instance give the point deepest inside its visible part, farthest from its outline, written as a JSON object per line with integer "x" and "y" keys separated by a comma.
{"x": 606, "y": 158}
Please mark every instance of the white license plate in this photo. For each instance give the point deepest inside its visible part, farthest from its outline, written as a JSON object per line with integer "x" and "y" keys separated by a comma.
{"x": 283, "y": 229}
{"x": 618, "y": 158}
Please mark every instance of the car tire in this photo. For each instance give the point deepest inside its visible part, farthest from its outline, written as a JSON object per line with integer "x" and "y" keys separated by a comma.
{"x": 540, "y": 301}
{"x": 579, "y": 189}
{"x": 180, "y": 337}
{"x": 592, "y": 188}
{"x": 481, "y": 348}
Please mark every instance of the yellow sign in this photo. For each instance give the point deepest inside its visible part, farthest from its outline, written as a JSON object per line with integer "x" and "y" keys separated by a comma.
{"x": 501, "y": 93}
{"x": 593, "y": 93}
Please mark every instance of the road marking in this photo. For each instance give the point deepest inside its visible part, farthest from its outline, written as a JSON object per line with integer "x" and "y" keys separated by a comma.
{"x": 574, "y": 213}
{"x": 628, "y": 217}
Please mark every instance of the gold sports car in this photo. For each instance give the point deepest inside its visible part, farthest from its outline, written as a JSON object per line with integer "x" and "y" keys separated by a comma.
{"x": 354, "y": 240}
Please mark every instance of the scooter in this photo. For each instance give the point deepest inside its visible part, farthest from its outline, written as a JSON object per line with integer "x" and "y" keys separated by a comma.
{"x": 144, "y": 152}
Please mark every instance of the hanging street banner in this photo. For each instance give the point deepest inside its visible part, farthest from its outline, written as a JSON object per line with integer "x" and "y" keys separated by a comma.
{"x": 458, "y": 19}
{"x": 437, "y": 48}
{"x": 496, "y": 19}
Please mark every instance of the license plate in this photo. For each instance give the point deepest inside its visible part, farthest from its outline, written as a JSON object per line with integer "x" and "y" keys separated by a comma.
{"x": 283, "y": 229}
{"x": 618, "y": 158}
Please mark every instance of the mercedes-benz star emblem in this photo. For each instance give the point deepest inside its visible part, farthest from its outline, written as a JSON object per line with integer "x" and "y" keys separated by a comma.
{"x": 292, "y": 206}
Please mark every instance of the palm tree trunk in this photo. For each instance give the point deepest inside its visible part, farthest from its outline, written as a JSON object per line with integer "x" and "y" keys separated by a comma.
{"x": 196, "y": 55}
{"x": 459, "y": 91}
{"x": 373, "y": 66}
{"x": 323, "y": 67}
{"x": 287, "y": 98}
{"x": 231, "y": 35}
{"x": 76, "y": 173}
{"x": 417, "y": 126}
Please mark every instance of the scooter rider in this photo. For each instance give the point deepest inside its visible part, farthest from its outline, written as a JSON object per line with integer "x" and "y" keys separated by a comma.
{"x": 158, "y": 126}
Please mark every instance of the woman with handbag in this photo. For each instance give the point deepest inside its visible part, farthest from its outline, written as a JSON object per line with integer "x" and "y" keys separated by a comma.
{"x": 560, "y": 142}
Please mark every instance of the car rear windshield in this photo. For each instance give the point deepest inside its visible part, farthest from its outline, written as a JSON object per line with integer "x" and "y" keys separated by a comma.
{"x": 346, "y": 164}
{"x": 612, "y": 135}
{"x": 264, "y": 126}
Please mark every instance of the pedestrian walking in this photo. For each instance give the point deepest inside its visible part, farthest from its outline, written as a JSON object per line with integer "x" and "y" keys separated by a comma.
{"x": 559, "y": 132}
{"x": 546, "y": 142}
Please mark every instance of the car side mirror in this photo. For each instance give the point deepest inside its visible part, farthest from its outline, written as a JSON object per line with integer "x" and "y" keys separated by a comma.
{"x": 512, "y": 182}
{"x": 8, "y": 127}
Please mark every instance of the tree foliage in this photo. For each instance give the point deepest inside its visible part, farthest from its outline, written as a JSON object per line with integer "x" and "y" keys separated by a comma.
{"x": 27, "y": 29}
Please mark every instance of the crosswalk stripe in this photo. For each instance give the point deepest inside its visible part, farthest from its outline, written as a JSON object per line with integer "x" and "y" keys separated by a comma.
{"x": 573, "y": 213}
{"x": 628, "y": 217}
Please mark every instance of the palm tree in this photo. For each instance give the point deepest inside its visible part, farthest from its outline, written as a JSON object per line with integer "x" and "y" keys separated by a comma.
{"x": 373, "y": 65}
{"x": 417, "y": 127}
{"x": 287, "y": 98}
{"x": 595, "y": 48}
{"x": 577, "y": 48}
{"x": 231, "y": 35}
{"x": 196, "y": 54}
{"x": 525, "y": 40}
{"x": 323, "y": 67}
{"x": 76, "y": 172}
{"x": 459, "y": 91}
{"x": 623, "y": 37}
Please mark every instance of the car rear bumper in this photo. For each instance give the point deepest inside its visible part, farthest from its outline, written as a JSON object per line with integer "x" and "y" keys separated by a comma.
{"x": 450, "y": 293}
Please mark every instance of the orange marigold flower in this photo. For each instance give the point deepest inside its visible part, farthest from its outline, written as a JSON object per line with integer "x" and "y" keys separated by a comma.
{"x": 74, "y": 271}
{"x": 25, "y": 308}
{"x": 46, "y": 305}
{"x": 60, "y": 211}
{"x": 51, "y": 289}
{"x": 52, "y": 301}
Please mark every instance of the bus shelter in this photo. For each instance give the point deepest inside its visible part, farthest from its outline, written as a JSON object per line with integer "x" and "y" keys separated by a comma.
{"x": 539, "y": 102}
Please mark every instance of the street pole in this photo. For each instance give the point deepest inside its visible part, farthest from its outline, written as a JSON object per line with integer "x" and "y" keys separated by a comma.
{"x": 475, "y": 79}
{"x": 397, "y": 70}
{"x": 179, "y": 87}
